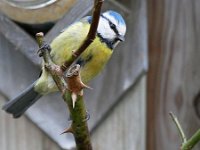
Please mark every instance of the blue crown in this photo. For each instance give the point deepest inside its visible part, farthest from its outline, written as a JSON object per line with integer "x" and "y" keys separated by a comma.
{"x": 117, "y": 16}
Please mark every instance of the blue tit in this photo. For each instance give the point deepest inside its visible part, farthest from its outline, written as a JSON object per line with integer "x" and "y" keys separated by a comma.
{"x": 111, "y": 30}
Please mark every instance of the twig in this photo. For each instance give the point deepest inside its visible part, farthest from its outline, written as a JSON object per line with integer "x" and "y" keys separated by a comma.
{"x": 192, "y": 141}
{"x": 91, "y": 34}
{"x": 186, "y": 144}
{"x": 181, "y": 133}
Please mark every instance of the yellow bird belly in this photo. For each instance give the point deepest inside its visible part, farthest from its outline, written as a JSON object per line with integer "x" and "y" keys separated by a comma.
{"x": 93, "y": 58}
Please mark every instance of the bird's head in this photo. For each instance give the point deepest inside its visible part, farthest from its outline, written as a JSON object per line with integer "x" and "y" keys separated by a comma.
{"x": 112, "y": 28}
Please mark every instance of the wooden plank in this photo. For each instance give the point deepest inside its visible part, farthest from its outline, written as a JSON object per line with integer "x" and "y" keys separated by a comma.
{"x": 124, "y": 127}
{"x": 22, "y": 134}
{"x": 18, "y": 37}
{"x": 16, "y": 70}
{"x": 173, "y": 80}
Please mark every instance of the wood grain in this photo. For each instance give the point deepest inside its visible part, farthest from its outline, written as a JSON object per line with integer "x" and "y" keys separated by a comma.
{"x": 18, "y": 37}
{"x": 22, "y": 134}
{"x": 124, "y": 128}
{"x": 173, "y": 79}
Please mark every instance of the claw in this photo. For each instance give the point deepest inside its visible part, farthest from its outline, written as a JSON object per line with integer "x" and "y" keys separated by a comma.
{"x": 43, "y": 48}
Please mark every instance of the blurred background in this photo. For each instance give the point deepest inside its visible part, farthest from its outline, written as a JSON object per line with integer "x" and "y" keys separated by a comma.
{"x": 155, "y": 71}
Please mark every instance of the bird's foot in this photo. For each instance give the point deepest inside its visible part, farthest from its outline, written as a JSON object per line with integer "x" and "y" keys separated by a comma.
{"x": 43, "y": 48}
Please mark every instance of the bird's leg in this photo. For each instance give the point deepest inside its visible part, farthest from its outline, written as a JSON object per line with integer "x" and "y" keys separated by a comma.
{"x": 57, "y": 70}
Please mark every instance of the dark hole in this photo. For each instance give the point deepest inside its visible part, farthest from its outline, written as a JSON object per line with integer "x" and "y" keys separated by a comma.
{"x": 32, "y": 29}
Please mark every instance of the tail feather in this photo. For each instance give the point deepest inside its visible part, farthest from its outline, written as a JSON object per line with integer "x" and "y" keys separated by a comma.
{"x": 21, "y": 103}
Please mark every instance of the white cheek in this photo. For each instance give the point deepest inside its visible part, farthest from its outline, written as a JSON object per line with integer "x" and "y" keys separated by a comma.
{"x": 105, "y": 30}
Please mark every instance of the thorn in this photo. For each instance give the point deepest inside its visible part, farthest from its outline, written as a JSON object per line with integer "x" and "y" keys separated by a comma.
{"x": 44, "y": 47}
{"x": 68, "y": 130}
{"x": 86, "y": 86}
{"x": 74, "y": 98}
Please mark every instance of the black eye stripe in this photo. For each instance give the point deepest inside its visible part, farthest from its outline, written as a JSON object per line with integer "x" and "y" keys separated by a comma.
{"x": 112, "y": 25}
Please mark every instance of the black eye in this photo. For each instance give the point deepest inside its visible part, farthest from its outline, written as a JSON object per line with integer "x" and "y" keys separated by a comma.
{"x": 112, "y": 26}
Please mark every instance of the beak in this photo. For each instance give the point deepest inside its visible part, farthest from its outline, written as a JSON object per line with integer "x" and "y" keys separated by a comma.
{"x": 120, "y": 38}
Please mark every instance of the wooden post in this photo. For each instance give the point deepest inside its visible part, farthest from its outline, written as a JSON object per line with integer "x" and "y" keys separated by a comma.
{"x": 173, "y": 77}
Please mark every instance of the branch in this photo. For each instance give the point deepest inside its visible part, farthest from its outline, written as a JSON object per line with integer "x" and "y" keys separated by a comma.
{"x": 192, "y": 141}
{"x": 91, "y": 34}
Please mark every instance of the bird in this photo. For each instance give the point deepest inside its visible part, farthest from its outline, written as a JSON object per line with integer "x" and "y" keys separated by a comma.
{"x": 110, "y": 32}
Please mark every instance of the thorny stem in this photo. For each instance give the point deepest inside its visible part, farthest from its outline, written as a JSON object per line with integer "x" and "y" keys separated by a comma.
{"x": 79, "y": 125}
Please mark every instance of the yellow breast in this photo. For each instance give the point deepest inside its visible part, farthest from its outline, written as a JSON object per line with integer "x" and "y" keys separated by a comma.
{"x": 70, "y": 40}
